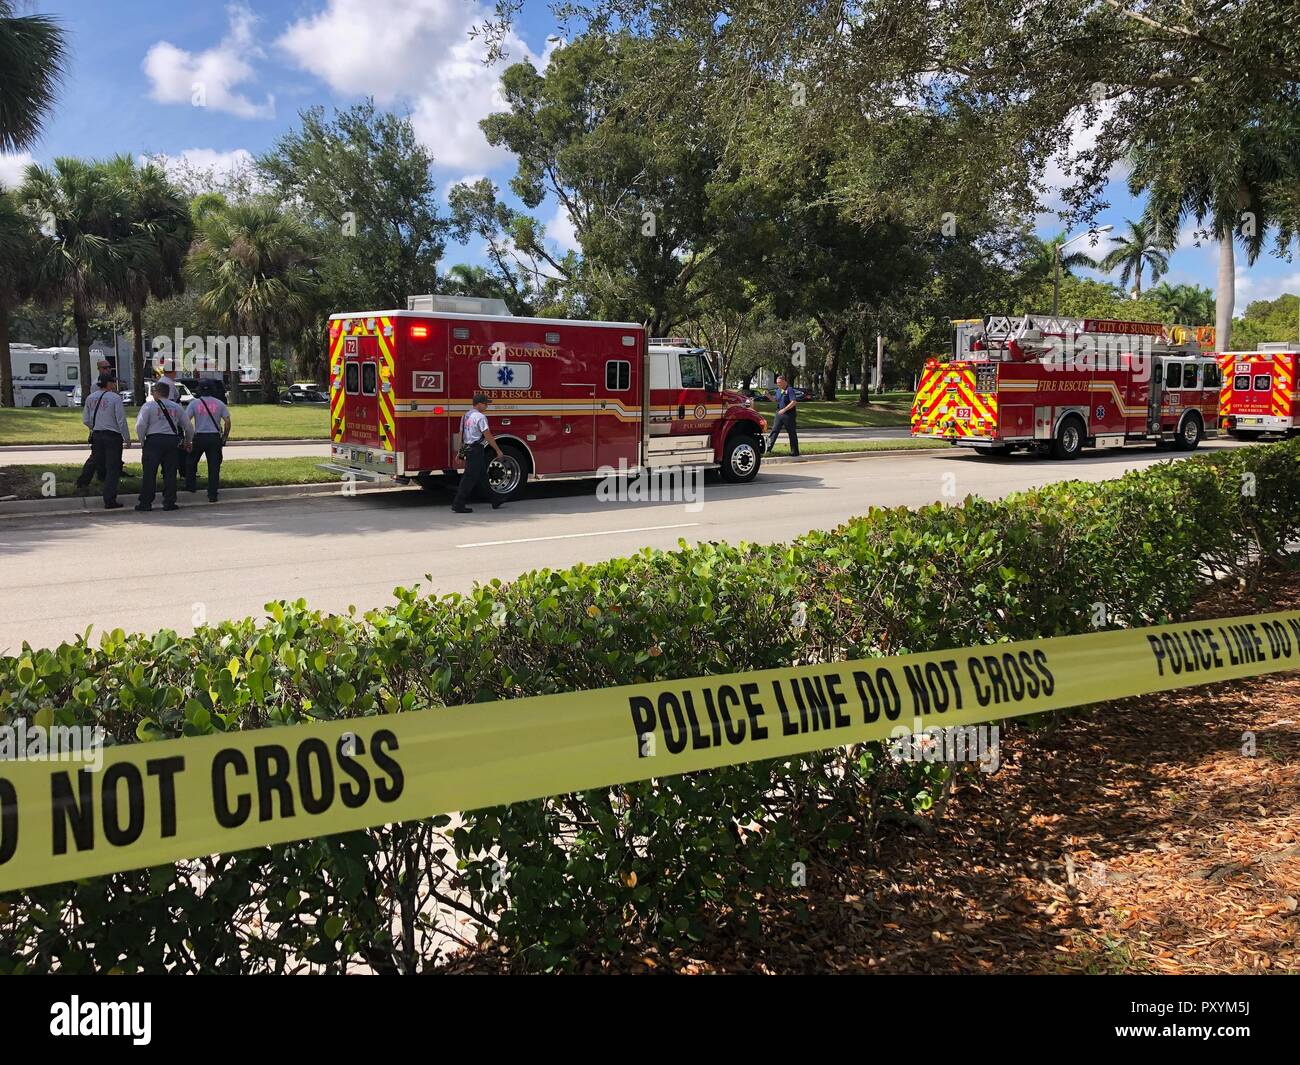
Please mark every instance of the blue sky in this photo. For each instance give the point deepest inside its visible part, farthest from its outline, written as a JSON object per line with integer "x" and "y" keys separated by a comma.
{"x": 135, "y": 63}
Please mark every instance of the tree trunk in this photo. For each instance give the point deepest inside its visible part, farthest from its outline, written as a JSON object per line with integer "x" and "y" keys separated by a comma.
{"x": 831, "y": 368}
{"x": 6, "y": 366}
{"x": 268, "y": 379}
{"x": 82, "y": 321}
{"x": 1226, "y": 292}
{"x": 864, "y": 385}
{"x": 137, "y": 357}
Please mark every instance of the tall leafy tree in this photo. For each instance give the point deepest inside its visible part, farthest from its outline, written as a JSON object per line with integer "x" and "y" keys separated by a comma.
{"x": 81, "y": 211}
{"x": 33, "y": 56}
{"x": 255, "y": 268}
{"x": 638, "y": 203}
{"x": 363, "y": 182}
{"x": 154, "y": 242}
{"x": 18, "y": 245}
{"x": 1136, "y": 250}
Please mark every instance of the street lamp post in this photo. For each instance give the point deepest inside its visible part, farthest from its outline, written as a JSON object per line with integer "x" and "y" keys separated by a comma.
{"x": 1056, "y": 264}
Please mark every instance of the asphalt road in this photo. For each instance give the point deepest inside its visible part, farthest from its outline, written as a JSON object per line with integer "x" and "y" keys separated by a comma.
{"x": 144, "y": 572}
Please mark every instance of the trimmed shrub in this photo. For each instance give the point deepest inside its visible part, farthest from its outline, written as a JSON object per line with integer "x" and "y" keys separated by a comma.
{"x": 574, "y": 876}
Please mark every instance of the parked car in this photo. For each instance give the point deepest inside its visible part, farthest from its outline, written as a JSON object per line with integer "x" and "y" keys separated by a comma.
{"x": 185, "y": 397}
{"x": 296, "y": 396}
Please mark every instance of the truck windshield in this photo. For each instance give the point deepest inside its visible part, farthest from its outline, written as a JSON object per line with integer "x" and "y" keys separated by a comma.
{"x": 697, "y": 371}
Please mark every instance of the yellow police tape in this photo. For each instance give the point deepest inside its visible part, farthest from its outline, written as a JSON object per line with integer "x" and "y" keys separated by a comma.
{"x": 154, "y": 803}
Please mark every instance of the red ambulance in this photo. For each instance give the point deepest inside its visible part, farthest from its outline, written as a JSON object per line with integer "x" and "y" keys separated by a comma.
{"x": 1259, "y": 391}
{"x": 569, "y": 399}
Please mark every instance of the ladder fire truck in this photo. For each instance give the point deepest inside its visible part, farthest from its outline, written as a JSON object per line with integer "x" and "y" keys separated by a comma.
{"x": 569, "y": 399}
{"x": 1054, "y": 386}
{"x": 1260, "y": 393}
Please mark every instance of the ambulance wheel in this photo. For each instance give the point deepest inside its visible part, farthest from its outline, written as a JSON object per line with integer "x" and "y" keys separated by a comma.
{"x": 507, "y": 475}
{"x": 1189, "y": 433}
{"x": 741, "y": 458}
{"x": 993, "y": 450}
{"x": 1069, "y": 440}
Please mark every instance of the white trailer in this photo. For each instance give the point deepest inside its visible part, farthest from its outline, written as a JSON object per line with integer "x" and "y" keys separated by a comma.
{"x": 45, "y": 377}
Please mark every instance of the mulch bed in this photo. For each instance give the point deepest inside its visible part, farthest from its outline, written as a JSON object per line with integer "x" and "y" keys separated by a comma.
{"x": 1131, "y": 837}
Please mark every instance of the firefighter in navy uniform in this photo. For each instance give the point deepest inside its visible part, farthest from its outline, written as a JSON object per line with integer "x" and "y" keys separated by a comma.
{"x": 475, "y": 438}
{"x": 164, "y": 433}
{"x": 787, "y": 408}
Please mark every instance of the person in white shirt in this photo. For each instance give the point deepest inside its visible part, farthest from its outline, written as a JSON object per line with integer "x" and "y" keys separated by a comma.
{"x": 475, "y": 437}
{"x": 168, "y": 378}
{"x": 105, "y": 416}
{"x": 164, "y": 432}
{"x": 211, "y": 421}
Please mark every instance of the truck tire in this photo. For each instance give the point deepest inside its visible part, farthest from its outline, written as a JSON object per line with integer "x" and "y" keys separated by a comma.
{"x": 1189, "y": 433}
{"x": 741, "y": 458}
{"x": 43, "y": 400}
{"x": 508, "y": 475}
{"x": 1070, "y": 438}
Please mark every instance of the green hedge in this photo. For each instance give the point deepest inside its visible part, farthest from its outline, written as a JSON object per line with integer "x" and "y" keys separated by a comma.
{"x": 580, "y": 875}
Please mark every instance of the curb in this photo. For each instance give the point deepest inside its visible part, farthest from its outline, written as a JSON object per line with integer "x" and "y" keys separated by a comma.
{"x": 93, "y": 504}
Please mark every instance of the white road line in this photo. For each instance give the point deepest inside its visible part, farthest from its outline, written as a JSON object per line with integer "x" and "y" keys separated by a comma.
{"x": 574, "y": 536}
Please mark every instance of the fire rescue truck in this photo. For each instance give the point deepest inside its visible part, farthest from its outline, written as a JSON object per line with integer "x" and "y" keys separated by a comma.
{"x": 569, "y": 399}
{"x": 1055, "y": 385}
{"x": 1259, "y": 391}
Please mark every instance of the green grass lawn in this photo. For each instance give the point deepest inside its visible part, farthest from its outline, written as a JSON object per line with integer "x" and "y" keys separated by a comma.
{"x": 251, "y": 421}
{"x": 26, "y": 482}
{"x": 256, "y": 421}
{"x": 890, "y": 410}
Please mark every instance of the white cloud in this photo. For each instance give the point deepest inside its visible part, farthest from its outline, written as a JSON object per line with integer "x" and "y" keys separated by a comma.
{"x": 561, "y": 229}
{"x": 12, "y": 169}
{"x": 1252, "y": 286}
{"x": 417, "y": 51}
{"x": 213, "y": 75}
{"x": 222, "y": 165}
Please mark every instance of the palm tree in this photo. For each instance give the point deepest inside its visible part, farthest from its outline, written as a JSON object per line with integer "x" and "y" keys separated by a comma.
{"x": 256, "y": 269}
{"x": 1139, "y": 249}
{"x": 1232, "y": 192}
{"x": 33, "y": 55}
{"x": 83, "y": 214}
{"x": 1042, "y": 257}
{"x": 1183, "y": 304}
{"x": 18, "y": 238}
{"x": 153, "y": 248}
